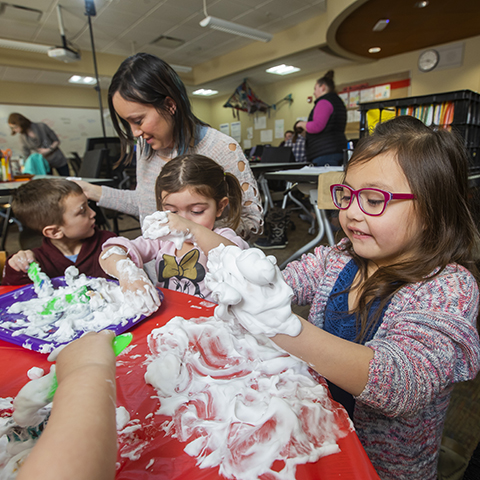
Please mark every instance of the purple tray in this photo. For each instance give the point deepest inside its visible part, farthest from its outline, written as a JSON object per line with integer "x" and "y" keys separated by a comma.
{"x": 40, "y": 345}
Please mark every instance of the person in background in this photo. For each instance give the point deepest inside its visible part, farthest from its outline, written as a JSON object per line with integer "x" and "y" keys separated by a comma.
{"x": 297, "y": 142}
{"x": 194, "y": 191}
{"x": 57, "y": 209}
{"x": 150, "y": 107}
{"x": 39, "y": 138}
{"x": 394, "y": 305}
{"x": 80, "y": 439}
{"x": 286, "y": 136}
{"x": 326, "y": 141}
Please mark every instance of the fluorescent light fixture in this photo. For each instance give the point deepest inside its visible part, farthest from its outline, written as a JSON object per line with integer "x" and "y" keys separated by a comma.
{"x": 79, "y": 80}
{"x": 206, "y": 92}
{"x": 283, "y": 69}
{"x": 381, "y": 25}
{"x": 374, "y": 50}
{"x": 421, "y": 4}
{"x": 235, "y": 29}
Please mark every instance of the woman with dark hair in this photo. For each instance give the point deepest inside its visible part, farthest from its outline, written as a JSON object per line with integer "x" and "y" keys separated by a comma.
{"x": 40, "y": 138}
{"x": 149, "y": 106}
{"x": 325, "y": 128}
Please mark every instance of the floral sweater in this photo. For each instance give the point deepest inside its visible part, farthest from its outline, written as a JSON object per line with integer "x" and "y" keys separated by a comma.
{"x": 427, "y": 342}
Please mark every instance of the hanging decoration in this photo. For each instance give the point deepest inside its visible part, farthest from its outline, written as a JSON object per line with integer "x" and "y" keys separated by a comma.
{"x": 287, "y": 99}
{"x": 245, "y": 100}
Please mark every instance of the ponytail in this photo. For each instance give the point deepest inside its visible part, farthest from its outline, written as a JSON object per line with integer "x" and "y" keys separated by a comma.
{"x": 234, "y": 195}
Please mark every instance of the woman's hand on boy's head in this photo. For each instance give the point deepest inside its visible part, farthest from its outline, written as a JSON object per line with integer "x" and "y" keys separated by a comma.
{"x": 92, "y": 192}
{"x": 22, "y": 260}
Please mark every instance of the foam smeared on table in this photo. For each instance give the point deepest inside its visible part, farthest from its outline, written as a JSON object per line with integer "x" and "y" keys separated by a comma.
{"x": 62, "y": 320}
{"x": 250, "y": 289}
{"x": 156, "y": 226}
{"x": 239, "y": 401}
{"x": 16, "y": 443}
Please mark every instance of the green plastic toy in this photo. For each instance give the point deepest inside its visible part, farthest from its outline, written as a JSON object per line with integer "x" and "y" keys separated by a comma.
{"x": 79, "y": 296}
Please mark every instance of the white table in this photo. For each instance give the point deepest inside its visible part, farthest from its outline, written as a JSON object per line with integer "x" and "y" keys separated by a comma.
{"x": 261, "y": 169}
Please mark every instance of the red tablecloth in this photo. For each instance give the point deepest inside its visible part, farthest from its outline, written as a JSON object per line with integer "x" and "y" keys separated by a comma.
{"x": 160, "y": 456}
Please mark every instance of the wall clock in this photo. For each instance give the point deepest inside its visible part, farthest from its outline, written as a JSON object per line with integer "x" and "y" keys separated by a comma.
{"x": 428, "y": 60}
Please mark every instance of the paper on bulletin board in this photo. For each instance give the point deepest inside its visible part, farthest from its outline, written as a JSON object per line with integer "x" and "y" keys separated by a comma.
{"x": 225, "y": 128}
{"x": 250, "y": 133}
{"x": 367, "y": 95}
{"x": 344, "y": 97}
{"x": 247, "y": 144}
{"x": 382, "y": 91}
{"x": 353, "y": 116}
{"x": 353, "y": 98}
{"x": 266, "y": 136}
{"x": 279, "y": 128}
{"x": 260, "y": 122}
{"x": 236, "y": 131}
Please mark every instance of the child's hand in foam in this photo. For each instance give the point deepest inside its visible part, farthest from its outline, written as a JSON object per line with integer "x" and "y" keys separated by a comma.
{"x": 137, "y": 287}
{"x": 249, "y": 287}
{"x": 21, "y": 260}
{"x": 167, "y": 226}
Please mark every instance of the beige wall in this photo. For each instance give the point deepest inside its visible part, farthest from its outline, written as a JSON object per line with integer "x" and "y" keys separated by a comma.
{"x": 466, "y": 77}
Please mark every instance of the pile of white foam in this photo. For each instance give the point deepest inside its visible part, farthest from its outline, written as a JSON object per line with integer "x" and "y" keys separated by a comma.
{"x": 107, "y": 306}
{"x": 240, "y": 402}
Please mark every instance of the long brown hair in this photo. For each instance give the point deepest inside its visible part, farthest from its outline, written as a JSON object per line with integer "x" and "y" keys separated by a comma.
{"x": 435, "y": 164}
{"x": 19, "y": 120}
{"x": 206, "y": 177}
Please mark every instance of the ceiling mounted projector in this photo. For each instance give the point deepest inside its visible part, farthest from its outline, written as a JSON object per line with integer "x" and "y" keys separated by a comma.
{"x": 64, "y": 54}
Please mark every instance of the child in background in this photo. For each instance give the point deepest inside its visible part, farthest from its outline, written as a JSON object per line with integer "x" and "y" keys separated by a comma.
{"x": 194, "y": 191}
{"x": 58, "y": 209}
{"x": 394, "y": 306}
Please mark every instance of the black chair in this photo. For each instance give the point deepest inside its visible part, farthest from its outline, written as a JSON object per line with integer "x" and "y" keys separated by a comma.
{"x": 92, "y": 163}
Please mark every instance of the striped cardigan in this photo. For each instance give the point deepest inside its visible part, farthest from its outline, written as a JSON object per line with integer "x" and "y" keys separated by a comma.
{"x": 427, "y": 341}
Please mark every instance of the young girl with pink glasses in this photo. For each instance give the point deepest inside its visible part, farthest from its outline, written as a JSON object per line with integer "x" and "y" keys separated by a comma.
{"x": 394, "y": 305}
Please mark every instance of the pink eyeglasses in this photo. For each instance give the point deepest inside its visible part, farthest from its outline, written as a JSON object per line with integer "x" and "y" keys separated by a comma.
{"x": 372, "y": 201}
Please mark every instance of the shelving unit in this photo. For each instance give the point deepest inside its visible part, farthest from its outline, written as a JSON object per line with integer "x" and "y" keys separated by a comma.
{"x": 458, "y": 111}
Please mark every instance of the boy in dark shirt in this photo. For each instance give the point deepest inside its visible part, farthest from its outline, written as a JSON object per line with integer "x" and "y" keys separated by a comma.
{"x": 58, "y": 209}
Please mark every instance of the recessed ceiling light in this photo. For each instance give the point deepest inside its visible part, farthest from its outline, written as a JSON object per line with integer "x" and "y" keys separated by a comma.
{"x": 82, "y": 80}
{"x": 283, "y": 69}
{"x": 206, "y": 92}
{"x": 374, "y": 50}
{"x": 422, "y": 4}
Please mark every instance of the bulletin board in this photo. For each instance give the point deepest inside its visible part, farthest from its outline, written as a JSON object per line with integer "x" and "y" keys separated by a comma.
{"x": 396, "y": 86}
{"x": 72, "y": 125}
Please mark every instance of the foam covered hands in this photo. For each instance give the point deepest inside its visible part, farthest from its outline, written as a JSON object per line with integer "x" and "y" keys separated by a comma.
{"x": 249, "y": 287}
{"x": 157, "y": 225}
{"x": 137, "y": 287}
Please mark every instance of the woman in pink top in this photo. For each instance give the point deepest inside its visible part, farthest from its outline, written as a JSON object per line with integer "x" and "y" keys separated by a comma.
{"x": 325, "y": 128}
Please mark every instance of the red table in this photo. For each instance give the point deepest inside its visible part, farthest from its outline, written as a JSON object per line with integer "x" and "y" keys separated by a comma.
{"x": 159, "y": 456}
